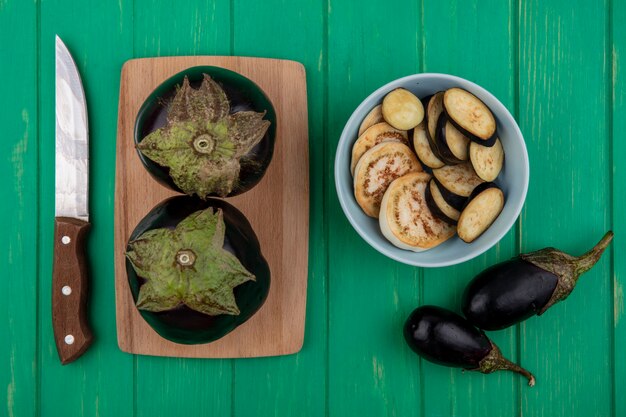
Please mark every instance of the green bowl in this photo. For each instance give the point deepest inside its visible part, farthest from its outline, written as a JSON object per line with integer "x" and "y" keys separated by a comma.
{"x": 243, "y": 94}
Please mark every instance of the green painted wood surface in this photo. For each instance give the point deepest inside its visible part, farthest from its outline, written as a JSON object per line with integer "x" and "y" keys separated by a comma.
{"x": 555, "y": 64}
{"x": 370, "y": 369}
{"x": 472, "y": 394}
{"x": 19, "y": 330}
{"x": 295, "y": 384}
{"x": 102, "y": 45}
{"x": 617, "y": 147}
{"x": 556, "y": 61}
{"x": 168, "y": 29}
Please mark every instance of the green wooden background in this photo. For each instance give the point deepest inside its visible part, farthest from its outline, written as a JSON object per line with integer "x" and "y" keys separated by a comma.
{"x": 555, "y": 64}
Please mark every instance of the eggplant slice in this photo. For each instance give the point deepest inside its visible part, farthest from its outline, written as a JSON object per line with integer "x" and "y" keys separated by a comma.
{"x": 433, "y": 111}
{"x": 455, "y": 201}
{"x": 422, "y": 147}
{"x": 377, "y": 168}
{"x": 402, "y": 109}
{"x": 378, "y": 133}
{"x": 483, "y": 208}
{"x": 458, "y": 179}
{"x": 373, "y": 117}
{"x": 439, "y": 206}
{"x": 487, "y": 161}
{"x": 456, "y": 141}
{"x": 405, "y": 219}
{"x": 470, "y": 115}
{"x": 452, "y": 144}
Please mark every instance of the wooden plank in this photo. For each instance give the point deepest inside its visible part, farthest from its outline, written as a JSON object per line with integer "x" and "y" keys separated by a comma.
{"x": 564, "y": 115}
{"x": 99, "y": 37}
{"x": 161, "y": 29}
{"x": 277, "y": 209}
{"x": 371, "y": 369}
{"x": 19, "y": 150}
{"x": 562, "y": 47}
{"x": 472, "y": 52}
{"x": 292, "y": 385}
{"x": 182, "y": 28}
{"x": 617, "y": 89}
{"x": 182, "y": 386}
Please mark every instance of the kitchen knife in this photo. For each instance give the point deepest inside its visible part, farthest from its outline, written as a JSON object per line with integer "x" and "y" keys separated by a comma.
{"x": 69, "y": 274}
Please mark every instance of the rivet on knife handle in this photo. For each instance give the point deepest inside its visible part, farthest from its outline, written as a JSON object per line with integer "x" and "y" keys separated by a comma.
{"x": 72, "y": 333}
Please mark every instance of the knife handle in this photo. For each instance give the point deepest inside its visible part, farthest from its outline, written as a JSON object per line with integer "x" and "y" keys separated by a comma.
{"x": 72, "y": 333}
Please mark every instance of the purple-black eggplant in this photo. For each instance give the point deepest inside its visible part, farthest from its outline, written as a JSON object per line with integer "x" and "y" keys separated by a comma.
{"x": 206, "y": 131}
{"x": 199, "y": 260}
{"x": 443, "y": 337}
{"x": 512, "y": 291}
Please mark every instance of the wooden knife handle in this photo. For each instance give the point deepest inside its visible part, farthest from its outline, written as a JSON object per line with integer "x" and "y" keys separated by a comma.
{"x": 69, "y": 289}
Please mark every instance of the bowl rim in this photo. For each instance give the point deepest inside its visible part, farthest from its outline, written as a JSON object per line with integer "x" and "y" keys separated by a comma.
{"x": 394, "y": 253}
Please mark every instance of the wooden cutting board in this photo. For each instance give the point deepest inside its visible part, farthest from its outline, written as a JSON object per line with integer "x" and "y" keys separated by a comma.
{"x": 277, "y": 208}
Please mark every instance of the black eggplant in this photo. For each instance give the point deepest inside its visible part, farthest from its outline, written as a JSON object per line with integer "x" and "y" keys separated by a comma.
{"x": 226, "y": 99}
{"x": 512, "y": 291}
{"x": 182, "y": 324}
{"x": 443, "y": 337}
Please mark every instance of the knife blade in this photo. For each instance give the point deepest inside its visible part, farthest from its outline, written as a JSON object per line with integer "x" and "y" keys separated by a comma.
{"x": 72, "y": 333}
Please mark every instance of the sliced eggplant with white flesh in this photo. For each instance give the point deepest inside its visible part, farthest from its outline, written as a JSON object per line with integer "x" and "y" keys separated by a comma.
{"x": 402, "y": 109}
{"x": 487, "y": 161}
{"x": 377, "y": 168}
{"x": 433, "y": 111}
{"x": 422, "y": 147}
{"x": 482, "y": 209}
{"x": 452, "y": 144}
{"x": 378, "y": 133}
{"x": 458, "y": 179}
{"x": 439, "y": 206}
{"x": 405, "y": 219}
{"x": 373, "y": 117}
{"x": 470, "y": 115}
{"x": 455, "y": 141}
{"x": 454, "y": 200}
{"x": 440, "y": 142}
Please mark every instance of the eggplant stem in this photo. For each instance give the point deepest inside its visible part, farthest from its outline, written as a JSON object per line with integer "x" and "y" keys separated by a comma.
{"x": 494, "y": 361}
{"x": 586, "y": 261}
{"x": 510, "y": 366}
{"x": 566, "y": 267}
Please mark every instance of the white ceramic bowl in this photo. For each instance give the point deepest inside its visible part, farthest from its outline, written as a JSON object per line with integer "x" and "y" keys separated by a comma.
{"x": 513, "y": 178}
